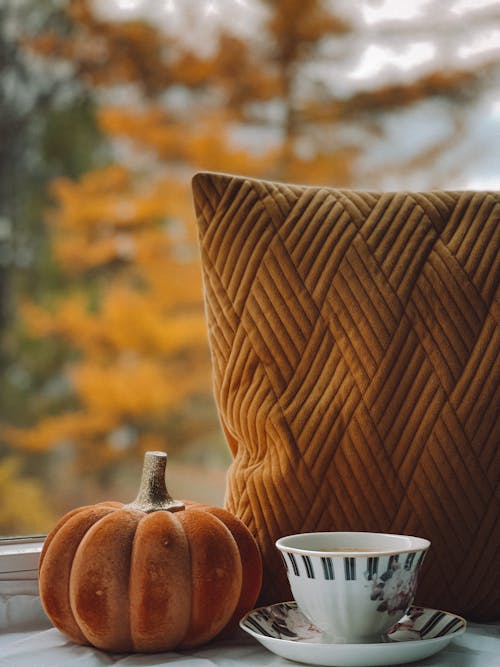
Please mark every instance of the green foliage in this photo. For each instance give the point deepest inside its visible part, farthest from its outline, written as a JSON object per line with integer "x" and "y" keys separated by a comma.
{"x": 71, "y": 142}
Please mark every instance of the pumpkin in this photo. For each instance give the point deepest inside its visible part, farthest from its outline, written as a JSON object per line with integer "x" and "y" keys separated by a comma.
{"x": 152, "y": 575}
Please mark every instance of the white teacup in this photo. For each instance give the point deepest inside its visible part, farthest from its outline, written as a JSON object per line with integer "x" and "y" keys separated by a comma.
{"x": 353, "y": 586}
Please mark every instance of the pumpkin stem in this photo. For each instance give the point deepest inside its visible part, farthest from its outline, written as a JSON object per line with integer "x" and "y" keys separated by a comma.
{"x": 153, "y": 494}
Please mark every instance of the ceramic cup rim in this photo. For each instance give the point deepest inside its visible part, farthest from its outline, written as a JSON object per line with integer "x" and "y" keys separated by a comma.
{"x": 416, "y": 544}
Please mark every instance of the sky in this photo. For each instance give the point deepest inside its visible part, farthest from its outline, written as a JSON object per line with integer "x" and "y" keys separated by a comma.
{"x": 393, "y": 43}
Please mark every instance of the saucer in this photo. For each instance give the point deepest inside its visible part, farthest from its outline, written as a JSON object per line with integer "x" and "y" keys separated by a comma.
{"x": 284, "y": 630}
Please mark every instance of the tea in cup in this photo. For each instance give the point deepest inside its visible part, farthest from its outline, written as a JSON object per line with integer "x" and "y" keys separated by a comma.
{"x": 353, "y": 586}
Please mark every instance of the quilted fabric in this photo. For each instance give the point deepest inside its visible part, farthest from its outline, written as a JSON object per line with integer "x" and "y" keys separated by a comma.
{"x": 355, "y": 345}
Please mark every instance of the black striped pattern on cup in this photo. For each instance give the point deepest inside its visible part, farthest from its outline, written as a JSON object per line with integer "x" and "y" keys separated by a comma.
{"x": 350, "y": 568}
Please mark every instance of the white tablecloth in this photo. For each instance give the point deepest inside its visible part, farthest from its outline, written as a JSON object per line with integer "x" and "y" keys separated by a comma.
{"x": 27, "y": 640}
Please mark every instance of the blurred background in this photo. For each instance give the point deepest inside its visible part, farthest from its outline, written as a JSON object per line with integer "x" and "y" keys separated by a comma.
{"x": 106, "y": 112}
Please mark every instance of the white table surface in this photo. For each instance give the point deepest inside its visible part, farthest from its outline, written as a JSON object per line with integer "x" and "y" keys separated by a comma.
{"x": 27, "y": 640}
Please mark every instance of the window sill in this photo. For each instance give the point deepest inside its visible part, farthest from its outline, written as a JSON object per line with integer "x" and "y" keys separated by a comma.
{"x": 20, "y": 605}
{"x": 19, "y": 555}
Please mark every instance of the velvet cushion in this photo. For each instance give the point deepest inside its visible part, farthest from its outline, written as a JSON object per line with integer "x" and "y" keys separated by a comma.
{"x": 354, "y": 339}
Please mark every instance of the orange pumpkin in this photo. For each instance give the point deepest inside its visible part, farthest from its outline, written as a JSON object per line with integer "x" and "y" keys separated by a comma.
{"x": 149, "y": 576}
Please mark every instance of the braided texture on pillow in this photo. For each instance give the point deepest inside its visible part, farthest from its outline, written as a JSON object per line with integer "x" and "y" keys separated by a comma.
{"x": 355, "y": 344}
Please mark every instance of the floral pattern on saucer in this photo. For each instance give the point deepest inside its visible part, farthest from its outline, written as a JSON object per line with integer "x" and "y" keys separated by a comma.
{"x": 286, "y": 621}
{"x": 282, "y": 629}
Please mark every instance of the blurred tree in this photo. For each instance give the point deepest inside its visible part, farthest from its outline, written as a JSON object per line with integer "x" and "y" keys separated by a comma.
{"x": 297, "y": 30}
{"x": 132, "y": 311}
{"x": 439, "y": 93}
{"x": 128, "y": 323}
{"x": 40, "y": 101}
{"x": 136, "y": 320}
{"x": 23, "y": 503}
{"x": 47, "y": 128}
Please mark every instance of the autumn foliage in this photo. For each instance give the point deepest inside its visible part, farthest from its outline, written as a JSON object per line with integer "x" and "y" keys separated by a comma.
{"x": 132, "y": 372}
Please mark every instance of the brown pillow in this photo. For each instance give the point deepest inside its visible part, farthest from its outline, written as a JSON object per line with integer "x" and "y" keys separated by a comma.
{"x": 355, "y": 341}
